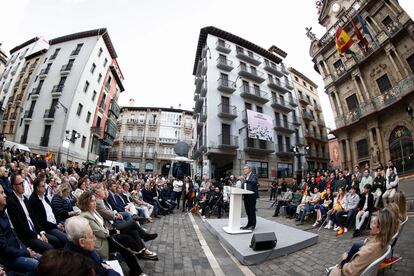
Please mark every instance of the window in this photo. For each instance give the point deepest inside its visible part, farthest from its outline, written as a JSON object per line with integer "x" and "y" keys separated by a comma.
{"x": 99, "y": 78}
{"x": 85, "y": 88}
{"x": 304, "y": 83}
{"x": 93, "y": 68}
{"x": 339, "y": 67}
{"x": 259, "y": 109}
{"x": 55, "y": 54}
{"x": 383, "y": 83}
{"x": 94, "y": 95}
{"x": 221, "y": 43}
{"x": 77, "y": 50}
{"x": 311, "y": 88}
{"x": 105, "y": 62}
{"x": 79, "y": 111}
{"x": 296, "y": 79}
{"x": 410, "y": 61}
{"x": 248, "y": 106}
{"x": 83, "y": 141}
{"x": 261, "y": 169}
{"x": 100, "y": 52}
{"x": 387, "y": 21}
{"x": 352, "y": 102}
{"x": 88, "y": 117}
{"x": 362, "y": 148}
{"x": 284, "y": 170}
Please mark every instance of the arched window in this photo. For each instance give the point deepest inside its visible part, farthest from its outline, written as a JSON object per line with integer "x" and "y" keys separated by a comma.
{"x": 402, "y": 149}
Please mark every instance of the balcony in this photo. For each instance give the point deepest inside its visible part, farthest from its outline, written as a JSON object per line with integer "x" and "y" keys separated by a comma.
{"x": 57, "y": 90}
{"x": 284, "y": 127}
{"x": 284, "y": 151}
{"x": 43, "y": 73}
{"x": 151, "y": 139}
{"x": 75, "y": 52}
{"x": 224, "y": 64}
{"x": 320, "y": 122}
{"x": 25, "y": 81}
{"x": 49, "y": 115}
{"x": 149, "y": 155}
{"x": 152, "y": 123}
{"x": 135, "y": 122}
{"x": 293, "y": 102}
{"x": 248, "y": 56}
{"x": 114, "y": 108}
{"x": 317, "y": 155}
{"x": 251, "y": 73}
{"x": 281, "y": 105}
{"x": 279, "y": 85}
{"x": 303, "y": 100}
{"x": 296, "y": 122}
{"x": 6, "y": 87}
{"x": 97, "y": 131}
{"x": 201, "y": 68}
{"x": 19, "y": 98}
{"x": 203, "y": 114}
{"x": 226, "y": 86}
{"x": 307, "y": 116}
{"x": 32, "y": 67}
{"x": 273, "y": 68}
{"x": 28, "y": 115}
{"x": 203, "y": 91}
{"x": 284, "y": 70}
{"x": 198, "y": 104}
{"x": 227, "y": 111}
{"x": 168, "y": 140}
{"x": 318, "y": 108}
{"x": 35, "y": 92}
{"x": 44, "y": 141}
{"x": 199, "y": 85}
{"x": 228, "y": 142}
{"x": 13, "y": 116}
{"x": 133, "y": 139}
{"x": 132, "y": 154}
{"x": 223, "y": 47}
{"x": 254, "y": 93}
{"x": 65, "y": 70}
{"x": 258, "y": 147}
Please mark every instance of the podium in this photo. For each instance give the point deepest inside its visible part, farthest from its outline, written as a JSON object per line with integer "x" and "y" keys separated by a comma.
{"x": 235, "y": 211}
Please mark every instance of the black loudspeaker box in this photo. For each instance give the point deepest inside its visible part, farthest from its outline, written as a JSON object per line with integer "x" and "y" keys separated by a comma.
{"x": 263, "y": 241}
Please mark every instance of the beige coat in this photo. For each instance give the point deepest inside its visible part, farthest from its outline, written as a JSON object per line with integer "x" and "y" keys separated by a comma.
{"x": 368, "y": 253}
{"x": 101, "y": 234}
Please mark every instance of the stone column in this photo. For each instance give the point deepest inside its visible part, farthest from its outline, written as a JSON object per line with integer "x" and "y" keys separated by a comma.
{"x": 391, "y": 8}
{"x": 360, "y": 95}
{"x": 339, "y": 104}
{"x": 334, "y": 108}
{"x": 381, "y": 146}
{"x": 342, "y": 154}
{"x": 365, "y": 87}
{"x": 348, "y": 154}
{"x": 394, "y": 64}
{"x": 401, "y": 62}
{"x": 326, "y": 67}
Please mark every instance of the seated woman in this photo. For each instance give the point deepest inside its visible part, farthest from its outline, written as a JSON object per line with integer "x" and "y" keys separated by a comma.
{"x": 315, "y": 198}
{"x": 337, "y": 207}
{"x": 62, "y": 204}
{"x": 322, "y": 209}
{"x": 365, "y": 208}
{"x": 400, "y": 200}
{"x": 43, "y": 213}
{"x": 108, "y": 239}
{"x": 357, "y": 259}
{"x": 301, "y": 207}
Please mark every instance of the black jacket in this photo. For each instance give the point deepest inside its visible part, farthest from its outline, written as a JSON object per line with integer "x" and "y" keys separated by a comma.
{"x": 39, "y": 212}
{"x": 19, "y": 219}
{"x": 252, "y": 184}
{"x": 361, "y": 202}
{"x": 114, "y": 204}
{"x": 61, "y": 207}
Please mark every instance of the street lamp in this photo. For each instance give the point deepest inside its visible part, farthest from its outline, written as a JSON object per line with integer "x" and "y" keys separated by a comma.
{"x": 297, "y": 153}
{"x": 71, "y": 136}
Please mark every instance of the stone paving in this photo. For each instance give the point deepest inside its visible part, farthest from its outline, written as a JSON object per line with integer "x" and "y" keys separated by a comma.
{"x": 180, "y": 251}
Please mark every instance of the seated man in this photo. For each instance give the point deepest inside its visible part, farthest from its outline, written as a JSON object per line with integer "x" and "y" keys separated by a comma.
{"x": 166, "y": 197}
{"x": 112, "y": 200}
{"x": 350, "y": 204}
{"x": 215, "y": 198}
{"x": 365, "y": 208}
{"x": 291, "y": 207}
{"x": 82, "y": 241}
{"x": 16, "y": 256}
{"x": 286, "y": 198}
{"x": 25, "y": 224}
{"x": 391, "y": 186}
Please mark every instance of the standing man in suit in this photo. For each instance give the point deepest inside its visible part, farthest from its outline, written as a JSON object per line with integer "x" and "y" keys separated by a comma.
{"x": 250, "y": 184}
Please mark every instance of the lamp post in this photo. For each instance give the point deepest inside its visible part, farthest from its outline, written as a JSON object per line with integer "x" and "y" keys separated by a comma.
{"x": 65, "y": 109}
{"x": 299, "y": 151}
{"x": 71, "y": 136}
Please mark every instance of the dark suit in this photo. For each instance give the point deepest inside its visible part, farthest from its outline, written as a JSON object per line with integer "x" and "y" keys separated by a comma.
{"x": 114, "y": 204}
{"x": 251, "y": 184}
{"x": 21, "y": 225}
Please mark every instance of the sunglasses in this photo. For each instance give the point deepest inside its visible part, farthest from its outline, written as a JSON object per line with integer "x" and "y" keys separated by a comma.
{"x": 17, "y": 184}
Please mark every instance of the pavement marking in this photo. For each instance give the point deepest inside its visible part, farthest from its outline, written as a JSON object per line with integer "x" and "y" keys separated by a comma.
{"x": 246, "y": 270}
{"x": 207, "y": 251}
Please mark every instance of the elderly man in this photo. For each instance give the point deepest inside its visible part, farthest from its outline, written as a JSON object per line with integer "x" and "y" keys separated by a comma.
{"x": 4, "y": 180}
{"x": 82, "y": 241}
{"x": 15, "y": 254}
{"x": 250, "y": 184}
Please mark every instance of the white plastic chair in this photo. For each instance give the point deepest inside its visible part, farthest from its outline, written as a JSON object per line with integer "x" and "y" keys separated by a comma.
{"x": 373, "y": 267}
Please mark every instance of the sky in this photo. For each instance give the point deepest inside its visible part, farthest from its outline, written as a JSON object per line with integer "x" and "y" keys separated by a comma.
{"x": 156, "y": 40}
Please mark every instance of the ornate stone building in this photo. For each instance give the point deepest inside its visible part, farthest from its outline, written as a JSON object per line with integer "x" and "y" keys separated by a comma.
{"x": 371, "y": 89}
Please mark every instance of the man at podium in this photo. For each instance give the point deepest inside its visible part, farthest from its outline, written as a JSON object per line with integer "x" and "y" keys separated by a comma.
{"x": 250, "y": 184}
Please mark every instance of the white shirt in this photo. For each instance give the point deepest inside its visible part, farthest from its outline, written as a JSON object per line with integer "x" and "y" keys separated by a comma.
{"x": 50, "y": 217}
{"x": 177, "y": 186}
{"x": 29, "y": 220}
{"x": 247, "y": 177}
{"x": 28, "y": 188}
{"x": 366, "y": 203}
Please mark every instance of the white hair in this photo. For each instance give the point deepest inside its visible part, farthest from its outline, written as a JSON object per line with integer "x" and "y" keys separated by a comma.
{"x": 76, "y": 228}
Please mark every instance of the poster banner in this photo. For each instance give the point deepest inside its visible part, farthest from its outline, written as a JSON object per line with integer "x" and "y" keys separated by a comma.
{"x": 260, "y": 126}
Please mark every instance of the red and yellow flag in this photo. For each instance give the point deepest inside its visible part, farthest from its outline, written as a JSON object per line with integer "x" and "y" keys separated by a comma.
{"x": 343, "y": 40}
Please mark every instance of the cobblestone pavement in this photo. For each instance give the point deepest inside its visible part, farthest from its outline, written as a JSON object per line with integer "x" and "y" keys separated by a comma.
{"x": 180, "y": 251}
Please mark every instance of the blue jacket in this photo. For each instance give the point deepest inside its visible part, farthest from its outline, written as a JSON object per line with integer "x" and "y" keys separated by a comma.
{"x": 114, "y": 204}
{"x": 5, "y": 182}
{"x": 10, "y": 245}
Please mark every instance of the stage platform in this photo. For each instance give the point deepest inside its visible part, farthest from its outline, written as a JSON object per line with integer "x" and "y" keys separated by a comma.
{"x": 289, "y": 240}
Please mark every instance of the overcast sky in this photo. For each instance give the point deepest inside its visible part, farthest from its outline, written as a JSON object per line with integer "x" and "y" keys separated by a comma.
{"x": 156, "y": 40}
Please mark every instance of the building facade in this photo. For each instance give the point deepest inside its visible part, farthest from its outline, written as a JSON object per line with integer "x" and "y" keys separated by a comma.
{"x": 147, "y": 136}
{"x": 371, "y": 89}
{"x": 313, "y": 123}
{"x": 58, "y": 94}
{"x": 233, "y": 77}
{"x": 3, "y": 60}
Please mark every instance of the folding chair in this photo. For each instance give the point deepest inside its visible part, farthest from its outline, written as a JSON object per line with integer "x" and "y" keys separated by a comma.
{"x": 372, "y": 269}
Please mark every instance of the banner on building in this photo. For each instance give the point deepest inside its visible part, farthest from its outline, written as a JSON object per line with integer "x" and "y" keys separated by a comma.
{"x": 260, "y": 126}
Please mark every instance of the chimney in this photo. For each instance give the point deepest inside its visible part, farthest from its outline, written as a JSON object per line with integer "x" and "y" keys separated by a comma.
{"x": 131, "y": 102}
{"x": 179, "y": 106}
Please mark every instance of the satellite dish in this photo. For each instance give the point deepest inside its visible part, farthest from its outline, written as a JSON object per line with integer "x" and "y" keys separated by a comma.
{"x": 181, "y": 149}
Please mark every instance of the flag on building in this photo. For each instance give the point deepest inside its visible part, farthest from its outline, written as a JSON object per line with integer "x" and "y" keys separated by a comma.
{"x": 360, "y": 36}
{"x": 364, "y": 26}
{"x": 343, "y": 41}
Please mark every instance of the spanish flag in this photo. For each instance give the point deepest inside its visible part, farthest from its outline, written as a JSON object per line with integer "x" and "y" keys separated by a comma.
{"x": 343, "y": 41}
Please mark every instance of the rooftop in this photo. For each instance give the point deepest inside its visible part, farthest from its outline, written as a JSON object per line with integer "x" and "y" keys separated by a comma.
{"x": 152, "y": 108}
{"x": 296, "y": 72}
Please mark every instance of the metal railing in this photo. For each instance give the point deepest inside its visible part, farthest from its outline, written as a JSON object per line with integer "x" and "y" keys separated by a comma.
{"x": 228, "y": 140}
{"x": 227, "y": 109}
{"x": 58, "y": 88}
